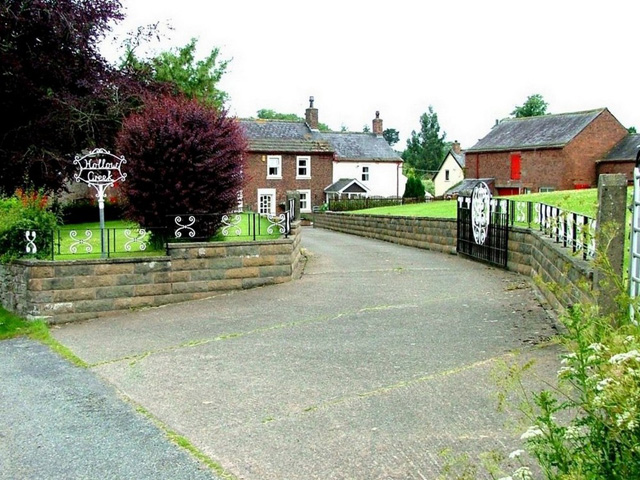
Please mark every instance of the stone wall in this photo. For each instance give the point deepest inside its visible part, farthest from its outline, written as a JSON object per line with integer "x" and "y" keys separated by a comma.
{"x": 64, "y": 291}
{"x": 563, "y": 278}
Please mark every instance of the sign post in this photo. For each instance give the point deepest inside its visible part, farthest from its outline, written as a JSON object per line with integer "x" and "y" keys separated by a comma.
{"x": 100, "y": 169}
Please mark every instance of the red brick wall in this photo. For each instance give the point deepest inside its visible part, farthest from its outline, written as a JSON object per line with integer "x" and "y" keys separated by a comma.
{"x": 617, "y": 167}
{"x": 561, "y": 169}
{"x": 256, "y": 177}
{"x": 591, "y": 145}
{"x": 539, "y": 168}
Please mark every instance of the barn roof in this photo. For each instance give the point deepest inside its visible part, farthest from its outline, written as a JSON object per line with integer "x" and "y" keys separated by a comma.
{"x": 546, "y": 131}
{"x": 625, "y": 149}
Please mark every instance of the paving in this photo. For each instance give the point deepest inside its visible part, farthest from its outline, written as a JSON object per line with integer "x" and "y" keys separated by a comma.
{"x": 367, "y": 367}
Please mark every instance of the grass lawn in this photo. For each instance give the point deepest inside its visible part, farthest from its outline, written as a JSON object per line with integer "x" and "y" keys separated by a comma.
{"x": 241, "y": 230}
{"x": 584, "y": 202}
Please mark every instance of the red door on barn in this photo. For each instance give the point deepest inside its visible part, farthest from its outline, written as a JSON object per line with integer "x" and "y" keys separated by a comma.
{"x": 506, "y": 191}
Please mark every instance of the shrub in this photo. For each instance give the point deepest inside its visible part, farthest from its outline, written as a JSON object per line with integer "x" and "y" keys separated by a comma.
{"x": 414, "y": 188}
{"x": 25, "y": 211}
{"x": 182, "y": 158}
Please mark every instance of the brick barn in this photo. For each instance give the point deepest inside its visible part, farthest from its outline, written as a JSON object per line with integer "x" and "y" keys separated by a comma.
{"x": 545, "y": 153}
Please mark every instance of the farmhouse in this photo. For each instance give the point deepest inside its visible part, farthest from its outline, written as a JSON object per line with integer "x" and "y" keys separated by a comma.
{"x": 544, "y": 153}
{"x": 295, "y": 155}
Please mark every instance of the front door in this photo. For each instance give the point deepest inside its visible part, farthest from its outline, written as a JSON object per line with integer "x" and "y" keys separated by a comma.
{"x": 267, "y": 201}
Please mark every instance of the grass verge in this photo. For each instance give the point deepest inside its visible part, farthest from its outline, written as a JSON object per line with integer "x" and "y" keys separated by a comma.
{"x": 12, "y": 326}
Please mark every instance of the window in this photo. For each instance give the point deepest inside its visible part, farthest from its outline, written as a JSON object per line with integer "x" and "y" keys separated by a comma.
{"x": 515, "y": 166}
{"x": 274, "y": 166}
{"x": 305, "y": 200}
{"x": 267, "y": 201}
{"x": 547, "y": 189}
{"x": 303, "y": 167}
{"x": 446, "y": 175}
{"x": 365, "y": 174}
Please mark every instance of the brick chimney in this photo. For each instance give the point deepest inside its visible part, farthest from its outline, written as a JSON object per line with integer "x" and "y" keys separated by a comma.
{"x": 456, "y": 147}
{"x": 311, "y": 115}
{"x": 377, "y": 125}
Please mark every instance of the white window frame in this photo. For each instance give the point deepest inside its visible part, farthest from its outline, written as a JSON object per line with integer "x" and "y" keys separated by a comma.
{"x": 274, "y": 161}
{"x": 308, "y": 200}
{"x": 365, "y": 171}
{"x": 307, "y": 167}
{"x": 270, "y": 192}
{"x": 546, "y": 189}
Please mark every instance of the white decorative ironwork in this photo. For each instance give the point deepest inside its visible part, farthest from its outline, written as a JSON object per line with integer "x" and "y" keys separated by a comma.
{"x": 137, "y": 238}
{"x": 591, "y": 238}
{"x": 538, "y": 211}
{"x": 31, "y": 238}
{"x": 100, "y": 169}
{"x": 187, "y": 228}
{"x": 634, "y": 254}
{"x": 232, "y": 223}
{"x": 521, "y": 212}
{"x": 480, "y": 212}
{"x": 277, "y": 221}
{"x": 73, "y": 248}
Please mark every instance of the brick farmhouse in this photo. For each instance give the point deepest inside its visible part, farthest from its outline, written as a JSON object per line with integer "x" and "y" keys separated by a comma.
{"x": 544, "y": 153}
{"x": 287, "y": 156}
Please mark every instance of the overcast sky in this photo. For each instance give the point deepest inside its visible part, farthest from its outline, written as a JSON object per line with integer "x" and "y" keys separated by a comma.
{"x": 472, "y": 60}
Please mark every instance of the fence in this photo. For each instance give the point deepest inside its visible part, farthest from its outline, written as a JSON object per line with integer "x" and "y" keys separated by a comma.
{"x": 90, "y": 242}
{"x": 573, "y": 230}
{"x": 349, "y": 204}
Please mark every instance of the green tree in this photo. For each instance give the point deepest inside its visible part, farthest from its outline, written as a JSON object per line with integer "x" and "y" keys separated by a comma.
{"x": 197, "y": 79}
{"x": 533, "y": 107}
{"x": 268, "y": 114}
{"x": 58, "y": 95}
{"x": 414, "y": 188}
{"x": 391, "y": 135}
{"x": 426, "y": 148}
{"x": 632, "y": 130}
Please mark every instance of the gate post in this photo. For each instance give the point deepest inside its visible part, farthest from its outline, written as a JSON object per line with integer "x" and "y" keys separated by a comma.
{"x": 610, "y": 232}
{"x": 295, "y": 196}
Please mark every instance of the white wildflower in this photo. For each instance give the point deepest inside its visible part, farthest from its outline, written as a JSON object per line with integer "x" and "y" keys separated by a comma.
{"x": 597, "y": 347}
{"x": 506, "y": 478}
{"x": 515, "y": 454}
{"x": 567, "y": 357}
{"x": 566, "y": 372}
{"x": 623, "y": 357}
{"x": 604, "y": 383}
{"x": 629, "y": 339}
{"x": 532, "y": 432}
{"x": 523, "y": 473}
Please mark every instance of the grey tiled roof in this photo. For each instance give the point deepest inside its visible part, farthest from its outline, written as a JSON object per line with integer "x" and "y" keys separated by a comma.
{"x": 550, "y": 131}
{"x": 625, "y": 149}
{"x": 360, "y": 146}
{"x": 282, "y": 136}
{"x": 460, "y": 158}
{"x": 290, "y": 136}
{"x": 343, "y": 183}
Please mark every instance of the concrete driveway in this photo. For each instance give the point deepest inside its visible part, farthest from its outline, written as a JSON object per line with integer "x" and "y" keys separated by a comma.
{"x": 366, "y": 367}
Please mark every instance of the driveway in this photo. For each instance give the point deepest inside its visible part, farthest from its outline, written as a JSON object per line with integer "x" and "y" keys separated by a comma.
{"x": 367, "y": 367}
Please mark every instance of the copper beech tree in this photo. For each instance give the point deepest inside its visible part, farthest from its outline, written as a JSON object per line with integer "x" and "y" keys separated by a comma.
{"x": 183, "y": 157}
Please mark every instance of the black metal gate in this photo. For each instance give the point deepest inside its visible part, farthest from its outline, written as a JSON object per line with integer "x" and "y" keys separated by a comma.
{"x": 483, "y": 227}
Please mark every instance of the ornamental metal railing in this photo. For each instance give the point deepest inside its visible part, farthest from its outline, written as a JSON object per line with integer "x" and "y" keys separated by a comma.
{"x": 572, "y": 230}
{"x": 108, "y": 242}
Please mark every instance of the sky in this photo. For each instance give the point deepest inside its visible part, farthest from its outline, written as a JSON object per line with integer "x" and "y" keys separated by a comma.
{"x": 473, "y": 61}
